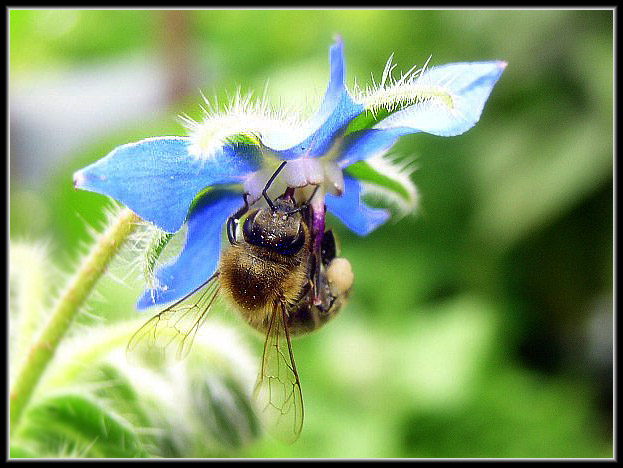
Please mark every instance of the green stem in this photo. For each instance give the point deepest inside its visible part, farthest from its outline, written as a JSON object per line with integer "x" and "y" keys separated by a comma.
{"x": 65, "y": 310}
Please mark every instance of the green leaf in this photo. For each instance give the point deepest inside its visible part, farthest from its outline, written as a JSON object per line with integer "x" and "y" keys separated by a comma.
{"x": 367, "y": 119}
{"x": 385, "y": 178}
{"x": 365, "y": 173}
{"x": 81, "y": 425}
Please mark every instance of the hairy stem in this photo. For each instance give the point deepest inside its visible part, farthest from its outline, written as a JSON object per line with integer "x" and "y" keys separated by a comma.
{"x": 67, "y": 306}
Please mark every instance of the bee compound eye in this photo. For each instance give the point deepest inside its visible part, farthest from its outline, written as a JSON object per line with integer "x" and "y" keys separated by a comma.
{"x": 250, "y": 231}
{"x": 340, "y": 276}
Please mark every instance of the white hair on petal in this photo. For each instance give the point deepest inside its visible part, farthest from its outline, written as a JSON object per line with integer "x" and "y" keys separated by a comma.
{"x": 412, "y": 88}
{"x": 242, "y": 115}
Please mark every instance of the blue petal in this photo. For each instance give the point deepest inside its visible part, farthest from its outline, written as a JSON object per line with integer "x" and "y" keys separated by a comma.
{"x": 364, "y": 144}
{"x": 465, "y": 88}
{"x": 336, "y": 87}
{"x": 158, "y": 179}
{"x": 352, "y": 211}
{"x": 336, "y": 111}
{"x": 199, "y": 258}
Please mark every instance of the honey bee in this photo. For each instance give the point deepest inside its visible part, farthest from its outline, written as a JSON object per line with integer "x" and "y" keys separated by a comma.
{"x": 280, "y": 284}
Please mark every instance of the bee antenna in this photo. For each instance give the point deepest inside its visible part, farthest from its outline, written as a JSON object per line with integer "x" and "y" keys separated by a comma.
{"x": 304, "y": 205}
{"x": 268, "y": 184}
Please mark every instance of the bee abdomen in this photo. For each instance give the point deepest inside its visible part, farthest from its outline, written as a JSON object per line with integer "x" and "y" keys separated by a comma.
{"x": 249, "y": 283}
{"x": 255, "y": 281}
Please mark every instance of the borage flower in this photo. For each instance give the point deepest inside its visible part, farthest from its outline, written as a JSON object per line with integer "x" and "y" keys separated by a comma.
{"x": 335, "y": 158}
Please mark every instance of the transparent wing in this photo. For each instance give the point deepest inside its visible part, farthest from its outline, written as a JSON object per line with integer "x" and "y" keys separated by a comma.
{"x": 176, "y": 326}
{"x": 277, "y": 392}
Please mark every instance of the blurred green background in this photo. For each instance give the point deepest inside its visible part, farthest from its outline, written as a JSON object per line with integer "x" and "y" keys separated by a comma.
{"x": 481, "y": 327}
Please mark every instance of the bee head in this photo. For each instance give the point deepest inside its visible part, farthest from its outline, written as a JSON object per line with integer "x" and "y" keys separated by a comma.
{"x": 281, "y": 230}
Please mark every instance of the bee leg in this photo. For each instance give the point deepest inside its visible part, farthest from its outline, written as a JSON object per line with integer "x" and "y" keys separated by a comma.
{"x": 318, "y": 223}
{"x": 305, "y": 205}
{"x": 232, "y": 221}
{"x": 328, "y": 247}
{"x": 324, "y": 310}
{"x": 333, "y": 298}
{"x": 284, "y": 318}
{"x": 269, "y": 183}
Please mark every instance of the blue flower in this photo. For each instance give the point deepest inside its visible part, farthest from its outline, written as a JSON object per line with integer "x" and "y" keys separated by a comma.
{"x": 199, "y": 180}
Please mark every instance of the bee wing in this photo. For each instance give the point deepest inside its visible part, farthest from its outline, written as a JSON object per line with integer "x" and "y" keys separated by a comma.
{"x": 277, "y": 392}
{"x": 177, "y": 325}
